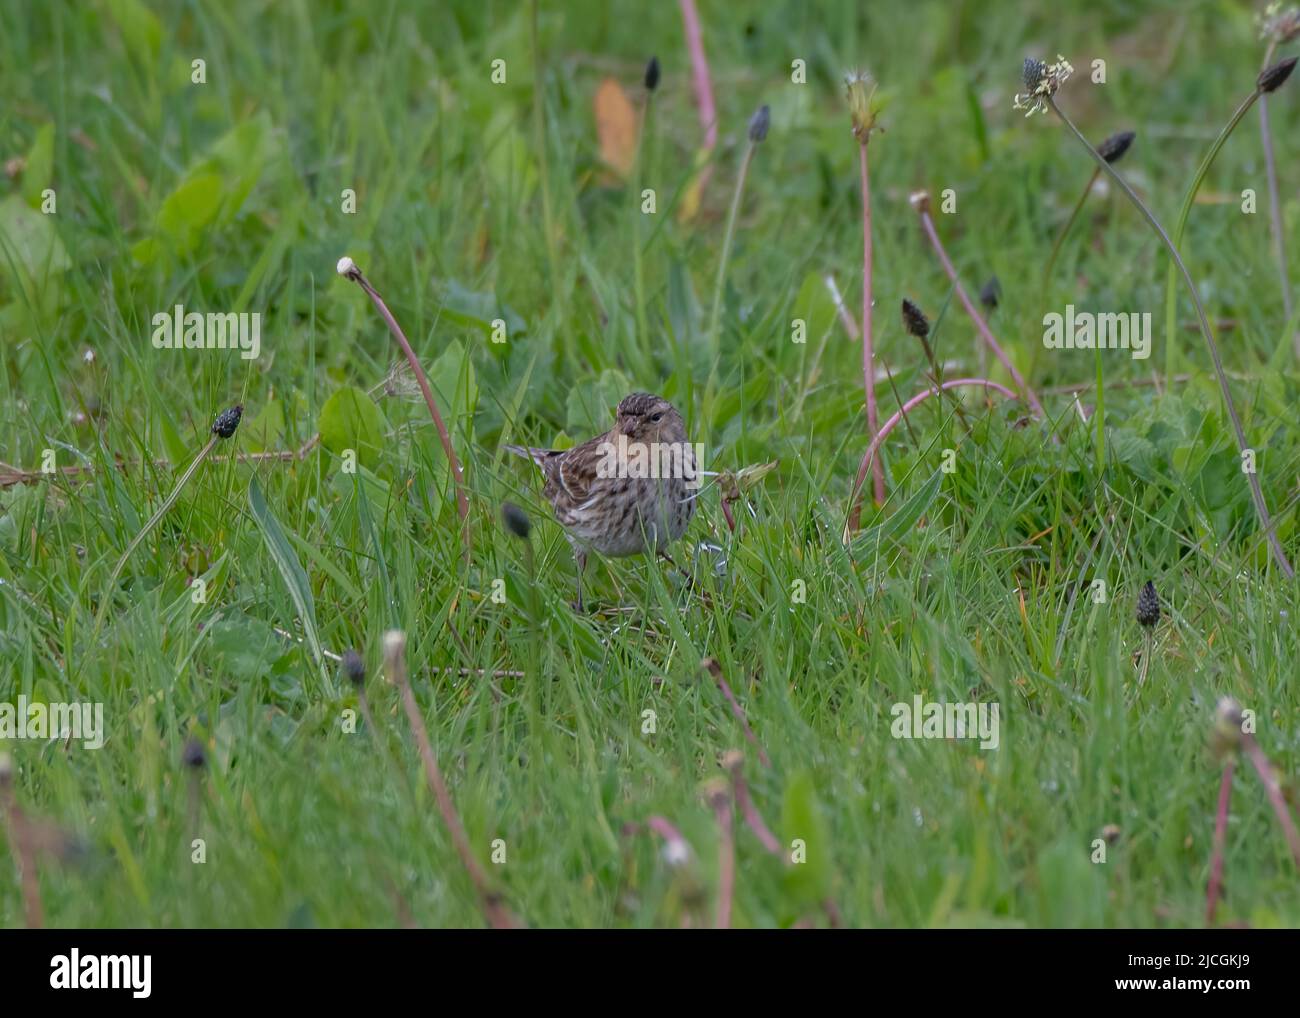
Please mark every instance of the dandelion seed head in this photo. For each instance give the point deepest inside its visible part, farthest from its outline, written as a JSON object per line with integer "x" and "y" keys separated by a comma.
{"x": 1278, "y": 25}
{"x": 677, "y": 852}
{"x": 401, "y": 383}
{"x": 860, "y": 91}
{"x": 1226, "y": 737}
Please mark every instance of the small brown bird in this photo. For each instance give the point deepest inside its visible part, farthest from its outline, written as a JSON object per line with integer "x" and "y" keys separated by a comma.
{"x": 628, "y": 491}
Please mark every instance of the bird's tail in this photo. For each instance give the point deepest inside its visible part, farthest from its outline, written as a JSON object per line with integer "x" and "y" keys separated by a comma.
{"x": 528, "y": 452}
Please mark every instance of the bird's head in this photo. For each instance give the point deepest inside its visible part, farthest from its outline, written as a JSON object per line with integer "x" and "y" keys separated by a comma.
{"x": 642, "y": 417}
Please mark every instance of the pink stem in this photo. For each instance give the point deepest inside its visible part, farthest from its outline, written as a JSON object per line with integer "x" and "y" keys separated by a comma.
{"x": 715, "y": 669}
{"x": 726, "y": 511}
{"x": 24, "y": 851}
{"x": 498, "y": 916}
{"x": 726, "y": 860}
{"x": 1220, "y": 828}
{"x": 1274, "y": 793}
{"x": 753, "y": 818}
{"x": 868, "y": 353}
{"x": 665, "y": 829}
{"x": 458, "y": 477}
{"x": 898, "y": 416}
{"x": 700, "y": 78}
{"x": 928, "y": 223}
{"x": 739, "y": 712}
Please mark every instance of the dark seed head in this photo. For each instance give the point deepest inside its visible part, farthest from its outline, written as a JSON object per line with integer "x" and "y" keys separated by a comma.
{"x": 1033, "y": 73}
{"x": 991, "y": 293}
{"x": 759, "y": 123}
{"x": 914, "y": 320}
{"x": 516, "y": 520}
{"x": 1114, "y": 147}
{"x": 1148, "y": 607}
{"x": 193, "y": 756}
{"x": 353, "y": 667}
{"x": 227, "y": 421}
{"x": 652, "y": 74}
{"x": 1271, "y": 78}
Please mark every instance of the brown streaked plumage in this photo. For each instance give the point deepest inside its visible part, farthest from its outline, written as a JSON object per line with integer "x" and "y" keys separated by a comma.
{"x": 604, "y": 497}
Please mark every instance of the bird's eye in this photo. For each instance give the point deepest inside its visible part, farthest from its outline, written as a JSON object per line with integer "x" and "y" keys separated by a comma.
{"x": 656, "y": 418}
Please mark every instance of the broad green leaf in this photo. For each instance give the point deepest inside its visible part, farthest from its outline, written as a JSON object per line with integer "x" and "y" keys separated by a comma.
{"x": 213, "y": 190}
{"x": 464, "y": 307}
{"x": 455, "y": 391}
{"x": 295, "y": 579}
{"x": 141, "y": 30}
{"x": 816, "y": 308}
{"x": 1134, "y": 451}
{"x": 239, "y": 156}
{"x": 454, "y": 383}
{"x": 190, "y": 208}
{"x": 802, "y": 820}
{"x": 145, "y": 251}
{"x": 508, "y": 163}
{"x": 246, "y": 648}
{"x": 351, "y": 420}
{"x": 31, "y": 253}
{"x": 263, "y": 432}
{"x": 1070, "y": 888}
{"x": 176, "y": 449}
{"x": 38, "y": 174}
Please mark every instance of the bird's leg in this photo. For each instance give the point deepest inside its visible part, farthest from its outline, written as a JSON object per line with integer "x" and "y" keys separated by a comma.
{"x": 580, "y": 561}
{"x": 690, "y": 580}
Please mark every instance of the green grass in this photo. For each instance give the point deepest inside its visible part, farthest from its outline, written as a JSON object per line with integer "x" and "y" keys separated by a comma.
{"x": 967, "y": 586}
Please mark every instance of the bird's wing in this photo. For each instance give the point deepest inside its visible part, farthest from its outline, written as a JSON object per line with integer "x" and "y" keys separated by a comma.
{"x": 577, "y": 471}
